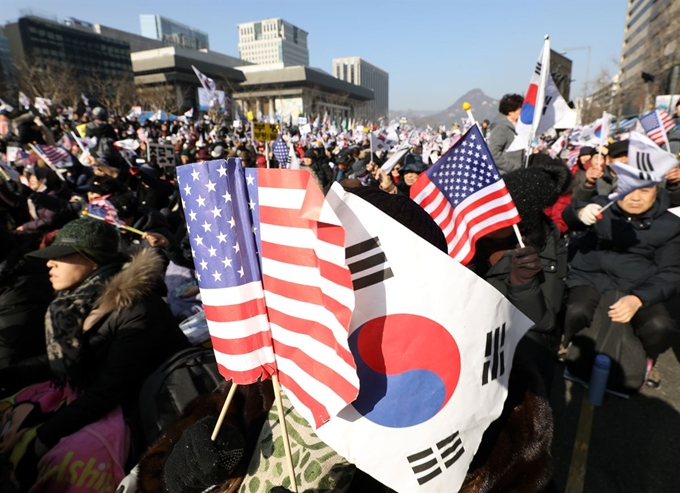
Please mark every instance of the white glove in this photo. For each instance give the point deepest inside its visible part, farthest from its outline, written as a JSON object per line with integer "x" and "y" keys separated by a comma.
{"x": 589, "y": 214}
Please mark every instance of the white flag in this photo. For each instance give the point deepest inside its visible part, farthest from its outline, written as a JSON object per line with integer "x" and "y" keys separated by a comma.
{"x": 647, "y": 165}
{"x": 24, "y": 100}
{"x": 190, "y": 113}
{"x": 293, "y": 159}
{"x": 6, "y": 107}
{"x": 543, "y": 94}
{"x": 207, "y": 83}
{"x": 433, "y": 363}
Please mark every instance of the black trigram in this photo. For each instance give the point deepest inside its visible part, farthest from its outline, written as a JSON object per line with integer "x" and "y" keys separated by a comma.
{"x": 494, "y": 366}
{"x": 643, "y": 161}
{"x": 537, "y": 70}
{"x": 427, "y": 464}
{"x": 548, "y": 99}
{"x": 367, "y": 263}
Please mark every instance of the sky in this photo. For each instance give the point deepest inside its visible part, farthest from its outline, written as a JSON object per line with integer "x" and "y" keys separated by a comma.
{"x": 433, "y": 50}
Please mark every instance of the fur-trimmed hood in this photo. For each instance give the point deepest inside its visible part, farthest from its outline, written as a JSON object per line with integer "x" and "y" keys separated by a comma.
{"x": 136, "y": 279}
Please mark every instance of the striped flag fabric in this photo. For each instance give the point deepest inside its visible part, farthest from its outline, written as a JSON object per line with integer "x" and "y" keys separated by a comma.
{"x": 465, "y": 195}
{"x": 572, "y": 156}
{"x": 277, "y": 294}
{"x": 55, "y": 155}
{"x": 101, "y": 208}
{"x": 656, "y": 123}
{"x": 280, "y": 150}
{"x": 308, "y": 291}
{"x": 215, "y": 202}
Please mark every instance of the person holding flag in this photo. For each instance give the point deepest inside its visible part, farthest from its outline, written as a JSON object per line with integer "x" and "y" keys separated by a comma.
{"x": 631, "y": 246}
{"x": 502, "y": 133}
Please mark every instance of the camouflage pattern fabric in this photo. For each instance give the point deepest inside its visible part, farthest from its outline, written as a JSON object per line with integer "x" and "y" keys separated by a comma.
{"x": 317, "y": 467}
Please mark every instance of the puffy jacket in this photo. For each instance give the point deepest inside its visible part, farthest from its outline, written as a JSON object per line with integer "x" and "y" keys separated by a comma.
{"x": 132, "y": 336}
{"x": 637, "y": 255}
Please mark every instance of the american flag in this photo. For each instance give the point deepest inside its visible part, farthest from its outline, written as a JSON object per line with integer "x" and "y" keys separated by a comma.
{"x": 304, "y": 283}
{"x": 228, "y": 273}
{"x": 656, "y": 123}
{"x": 465, "y": 194}
{"x": 101, "y": 208}
{"x": 55, "y": 155}
{"x": 280, "y": 150}
{"x": 308, "y": 291}
{"x": 572, "y": 156}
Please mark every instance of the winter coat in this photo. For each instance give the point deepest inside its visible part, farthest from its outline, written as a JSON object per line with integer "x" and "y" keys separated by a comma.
{"x": 636, "y": 255}
{"x": 501, "y": 134}
{"x": 674, "y": 137}
{"x": 48, "y": 208}
{"x": 25, "y": 293}
{"x": 541, "y": 298}
{"x": 131, "y": 332}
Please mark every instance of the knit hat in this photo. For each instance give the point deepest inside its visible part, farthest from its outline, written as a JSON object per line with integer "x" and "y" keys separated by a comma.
{"x": 92, "y": 238}
{"x": 537, "y": 187}
{"x": 405, "y": 211}
{"x": 196, "y": 462}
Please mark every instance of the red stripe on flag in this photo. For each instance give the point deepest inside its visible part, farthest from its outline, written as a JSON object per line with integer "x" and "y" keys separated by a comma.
{"x": 318, "y": 411}
{"x": 242, "y": 345}
{"x": 318, "y": 371}
{"x": 501, "y": 209}
{"x": 283, "y": 217}
{"x": 489, "y": 229}
{"x": 235, "y": 313}
{"x": 244, "y": 377}
{"x": 312, "y": 329}
{"x": 329, "y": 233}
{"x": 278, "y": 178}
{"x": 308, "y": 294}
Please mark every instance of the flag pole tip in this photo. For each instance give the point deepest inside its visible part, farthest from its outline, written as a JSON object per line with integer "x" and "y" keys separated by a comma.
{"x": 466, "y": 106}
{"x": 546, "y": 37}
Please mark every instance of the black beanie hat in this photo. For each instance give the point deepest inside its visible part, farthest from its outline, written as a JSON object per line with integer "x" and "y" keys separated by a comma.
{"x": 405, "y": 211}
{"x": 537, "y": 187}
{"x": 197, "y": 463}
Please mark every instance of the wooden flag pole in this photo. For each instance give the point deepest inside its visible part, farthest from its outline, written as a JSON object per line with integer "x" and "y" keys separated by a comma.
{"x": 284, "y": 432}
{"x": 126, "y": 228}
{"x": 223, "y": 413}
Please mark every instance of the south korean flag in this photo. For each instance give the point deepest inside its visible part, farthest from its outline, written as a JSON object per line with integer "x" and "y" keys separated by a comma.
{"x": 433, "y": 345}
{"x": 647, "y": 165}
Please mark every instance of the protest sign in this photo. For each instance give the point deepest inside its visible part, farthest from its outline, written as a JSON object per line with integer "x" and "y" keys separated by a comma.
{"x": 265, "y": 131}
{"x": 163, "y": 154}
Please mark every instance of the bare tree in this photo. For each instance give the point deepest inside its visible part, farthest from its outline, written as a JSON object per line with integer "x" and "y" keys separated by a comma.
{"x": 48, "y": 79}
{"x": 164, "y": 97}
{"x": 116, "y": 94}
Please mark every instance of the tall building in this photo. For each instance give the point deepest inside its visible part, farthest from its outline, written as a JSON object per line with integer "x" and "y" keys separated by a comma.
{"x": 35, "y": 39}
{"x": 651, "y": 44}
{"x": 273, "y": 41}
{"x": 357, "y": 71}
{"x": 6, "y": 69}
{"x": 172, "y": 33}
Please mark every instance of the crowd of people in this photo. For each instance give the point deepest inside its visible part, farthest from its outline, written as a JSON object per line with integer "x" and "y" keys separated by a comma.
{"x": 89, "y": 310}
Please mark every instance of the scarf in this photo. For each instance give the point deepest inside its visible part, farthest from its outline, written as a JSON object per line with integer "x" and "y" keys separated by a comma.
{"x": 64, "y": 331}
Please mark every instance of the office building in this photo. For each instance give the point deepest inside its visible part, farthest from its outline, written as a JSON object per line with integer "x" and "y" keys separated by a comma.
{"x": 6, "y": 69}
{"x": 40, "y": 40}
{"x": 357, "y": 71}
{"x": 172, "y": 33}
{"x": 651, "y": 44}
{"x": 273, "y": 41}
{"x": 170, "y": 68}
{"x": 276, "y": 92}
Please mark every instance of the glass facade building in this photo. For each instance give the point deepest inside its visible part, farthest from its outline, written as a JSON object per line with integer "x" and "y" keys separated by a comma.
{"x": 172, "y": 33}
{"x": 42, "y": 40}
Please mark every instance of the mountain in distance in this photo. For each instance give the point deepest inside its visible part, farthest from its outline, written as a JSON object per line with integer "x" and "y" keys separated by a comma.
{"x": 483, "y": 107}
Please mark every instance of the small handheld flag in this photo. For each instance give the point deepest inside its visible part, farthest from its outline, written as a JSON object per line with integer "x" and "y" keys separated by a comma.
{"x": 465, "y": 195}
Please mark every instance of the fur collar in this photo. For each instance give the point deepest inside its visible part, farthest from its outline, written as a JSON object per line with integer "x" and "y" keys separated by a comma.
{"x": 135, "y": 280}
